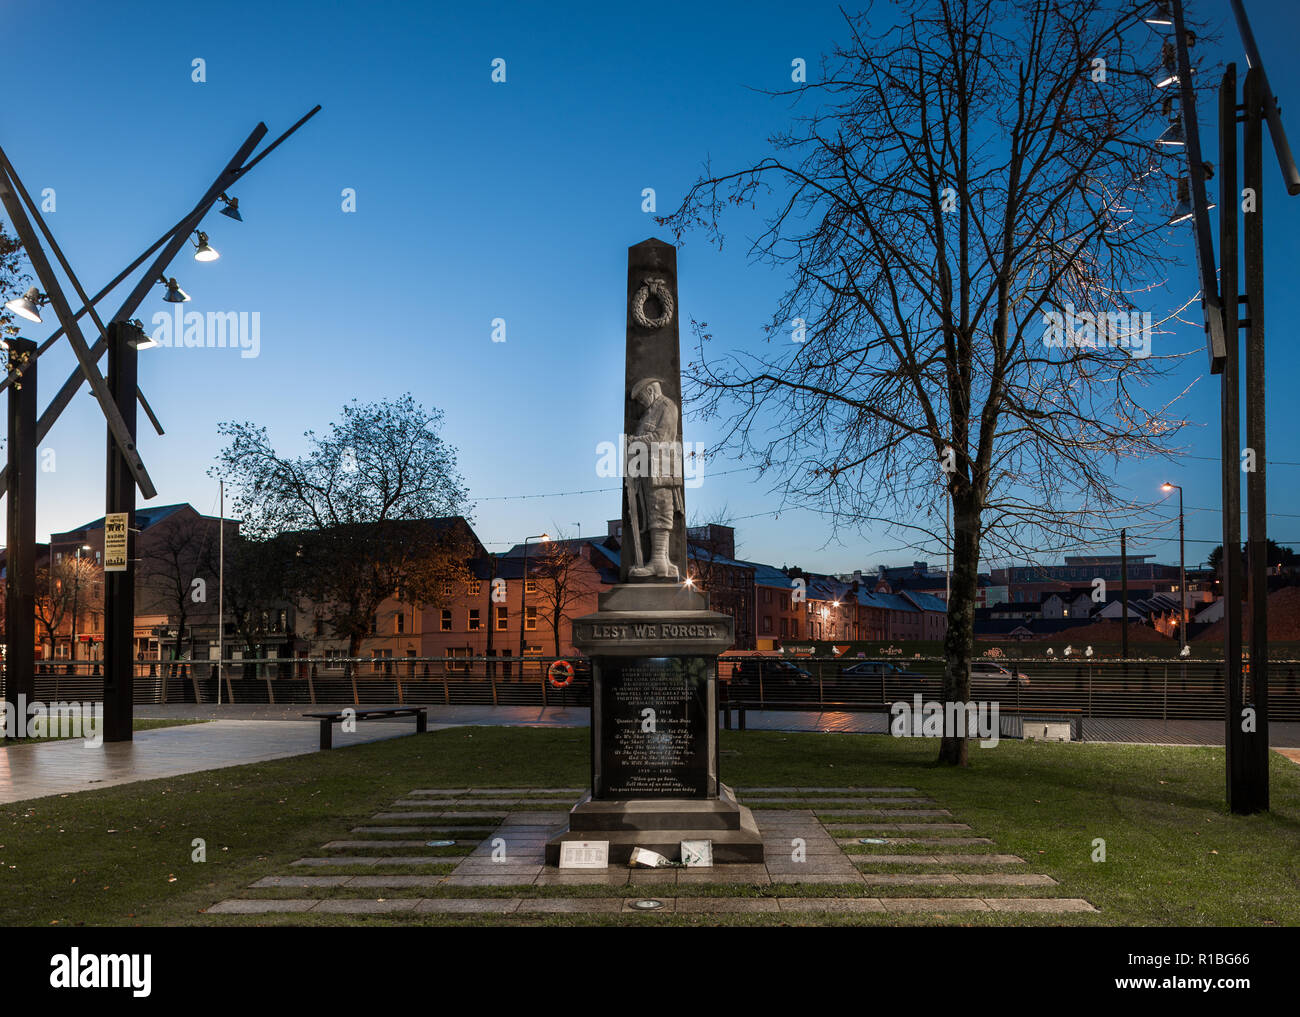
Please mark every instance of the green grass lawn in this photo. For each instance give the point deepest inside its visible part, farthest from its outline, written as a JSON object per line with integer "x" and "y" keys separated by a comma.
{"x": 1174, "y": 856}
{"x": 136, "y": 725}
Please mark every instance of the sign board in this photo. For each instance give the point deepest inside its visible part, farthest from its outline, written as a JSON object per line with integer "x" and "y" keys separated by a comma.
{"x": 584, "y": 854}
{"x": 697, "y": 853}
{"x": 115, "y": 541}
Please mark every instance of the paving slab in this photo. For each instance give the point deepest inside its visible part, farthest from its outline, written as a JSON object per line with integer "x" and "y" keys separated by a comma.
{"x": 824, "y": 790}
{"x": 472, "y": 905}
{"x": 867, "y": 859}
{"x": 450, "y": 831}
{"x": 812, "y": 877}
{"x": 726, "y": 905}
{"x": 476, "y": 880}
{"x": 930, "y": 841}
{"x": 336, "y": 861}
{"x": 260, "y": 907}
{"x": 566, "y": 877}
{"x": 1006, "y": 878}
{"x": 365, "y": 907}
{"x": 572, "y": 905}
{"x": 846, "y": 905}
{"x": 1047, "y": 905}
{"x": 347, "y": 845}
{"x": 395, "y": 882}
{"x": 934, "y": 904}
{"x": 300, "y": 882}
{"x": 910, "y": 879}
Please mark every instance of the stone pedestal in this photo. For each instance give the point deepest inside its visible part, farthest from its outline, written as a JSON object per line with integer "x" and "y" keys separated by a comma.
{"x": 654, "y": 728}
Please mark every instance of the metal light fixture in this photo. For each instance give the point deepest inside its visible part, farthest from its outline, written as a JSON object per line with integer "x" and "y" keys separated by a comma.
{"x": 231, "y": 211}
{"x": 1160, "y": 17}
{"x": 174, "y": 294}
{"x": 1183, "y": 210}
{"x": 1168, "y": 61}
{"x": 1173, "y": 135}
{"x": 26, "y": 305}
{"x": 141, "y": 340}
{"x": 204, "y": 252}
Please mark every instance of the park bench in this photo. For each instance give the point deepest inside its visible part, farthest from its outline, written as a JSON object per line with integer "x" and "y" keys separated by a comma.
{"x": 328, "y": 720}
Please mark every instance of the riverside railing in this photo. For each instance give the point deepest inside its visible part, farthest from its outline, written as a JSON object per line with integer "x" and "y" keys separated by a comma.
{"x": 1138, "y": 689}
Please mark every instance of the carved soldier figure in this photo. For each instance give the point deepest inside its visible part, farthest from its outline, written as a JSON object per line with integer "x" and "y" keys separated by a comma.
{"x": 654, "y": 486}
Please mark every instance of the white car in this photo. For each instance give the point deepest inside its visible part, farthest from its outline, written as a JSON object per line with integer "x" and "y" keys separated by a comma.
{"x": 986, "y": 671}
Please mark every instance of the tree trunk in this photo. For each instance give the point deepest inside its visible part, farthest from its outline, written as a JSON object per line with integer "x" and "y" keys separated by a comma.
{"x": 959, "y": 641}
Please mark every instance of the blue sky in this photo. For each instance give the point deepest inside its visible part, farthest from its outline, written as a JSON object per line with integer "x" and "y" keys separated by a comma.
{"x": 477, "y": 201}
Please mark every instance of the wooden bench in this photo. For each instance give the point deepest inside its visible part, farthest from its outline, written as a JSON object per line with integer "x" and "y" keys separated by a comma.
{"x": 328, "y": 720}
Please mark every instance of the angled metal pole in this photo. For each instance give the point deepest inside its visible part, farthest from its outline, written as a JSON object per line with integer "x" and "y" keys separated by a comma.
{"x": 124, "y": 436}
{"x": 1281, "y": 147}
{"x": 1216, "y": 332}
{"x": 177, "y": 240}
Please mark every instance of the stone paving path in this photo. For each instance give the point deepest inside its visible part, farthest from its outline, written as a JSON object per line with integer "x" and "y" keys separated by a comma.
{"x": 504, "y": 848}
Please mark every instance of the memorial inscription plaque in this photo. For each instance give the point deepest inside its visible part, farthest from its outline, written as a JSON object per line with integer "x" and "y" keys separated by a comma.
{"x": 654, "y": 742}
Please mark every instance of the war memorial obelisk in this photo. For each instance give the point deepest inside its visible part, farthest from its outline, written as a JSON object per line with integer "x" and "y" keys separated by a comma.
{"x": 653, "y": 642}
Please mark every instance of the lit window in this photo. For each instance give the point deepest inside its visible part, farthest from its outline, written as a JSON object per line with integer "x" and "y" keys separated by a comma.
{"x": 503, "y": 618}
{"x": 474, "y": 623}
{"x": 530, "y": 619}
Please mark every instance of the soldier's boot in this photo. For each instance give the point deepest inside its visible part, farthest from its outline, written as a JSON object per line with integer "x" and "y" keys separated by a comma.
{"x": 659, "y": 558}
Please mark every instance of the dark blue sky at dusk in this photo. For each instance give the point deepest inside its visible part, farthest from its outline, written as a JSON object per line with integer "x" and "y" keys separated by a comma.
{"x": 477, "y": 201}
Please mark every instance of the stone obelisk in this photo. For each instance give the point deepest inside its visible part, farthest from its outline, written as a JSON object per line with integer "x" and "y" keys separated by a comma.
{"x": 653, "y": 642}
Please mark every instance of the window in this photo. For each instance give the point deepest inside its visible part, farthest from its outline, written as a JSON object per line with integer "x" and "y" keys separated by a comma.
{"x": 319, "y": 627}
{"x": 458, "y": 652}
{"x": 446, "y": 588}
{"x": 794, "y": 628}
{"x": 446, "y": 621}
{"x": 767, "y": 596}
{"x": 530, "y": 585}
{"x": 785, "y": 627}
{"x": 474, "y": 622}
{"x": 474, "y": 587}
{"x": 401, "y": 622}
{"x": 503, "y": 618}
{"x": 767, "y": 623}
{"x": 530, "y": 619}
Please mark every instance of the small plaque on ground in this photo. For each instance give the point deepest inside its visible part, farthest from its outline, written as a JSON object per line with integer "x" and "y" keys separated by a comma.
{"x": 584, "y": 854}
{"x": 697, "y": 854}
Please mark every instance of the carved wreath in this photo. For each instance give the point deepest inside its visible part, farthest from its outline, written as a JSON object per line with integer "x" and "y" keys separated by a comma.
{"x": 660, "y": 289}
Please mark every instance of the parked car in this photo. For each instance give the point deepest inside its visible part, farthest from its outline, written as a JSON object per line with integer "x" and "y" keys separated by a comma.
{"x": 985, "y": 671}
{"x": 777, "y": 676}
{"x": 877, "y": 668}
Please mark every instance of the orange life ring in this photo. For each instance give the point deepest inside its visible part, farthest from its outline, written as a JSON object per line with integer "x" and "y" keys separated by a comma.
{"x": 560, "y": 673}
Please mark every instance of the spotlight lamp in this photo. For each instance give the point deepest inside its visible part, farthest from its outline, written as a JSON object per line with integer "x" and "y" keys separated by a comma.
{"x": 1183, "y": 210}
{"x": 174, "y": 294}
{"x": 231, "y": 211}
{"x": 28, "y": 305}
{"x": 204, "y": 252}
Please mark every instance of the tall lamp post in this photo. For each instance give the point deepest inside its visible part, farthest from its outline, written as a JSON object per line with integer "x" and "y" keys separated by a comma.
{"x": 523, "y": 597}
{"x": 1182, "y": 566}
{"x": 76, "y": 586}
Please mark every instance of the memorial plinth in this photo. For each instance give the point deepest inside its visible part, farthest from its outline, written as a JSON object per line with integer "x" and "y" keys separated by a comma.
{"x": 654, "y": 729}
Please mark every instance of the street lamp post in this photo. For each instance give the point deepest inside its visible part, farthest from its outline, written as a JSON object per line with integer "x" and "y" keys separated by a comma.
{"x": 1182, "y": 566}
{"x": 523, "y": 597}
{"x": 76, "y": 587}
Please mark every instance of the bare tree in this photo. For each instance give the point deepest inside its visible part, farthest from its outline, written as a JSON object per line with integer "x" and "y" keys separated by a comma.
{"x": 177, "y": 571}
{"x": 565, "y": 580}
{"x": 972, "y": 211}
{"x": 71, "y": 587}
{"x": 371, "y": 509}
